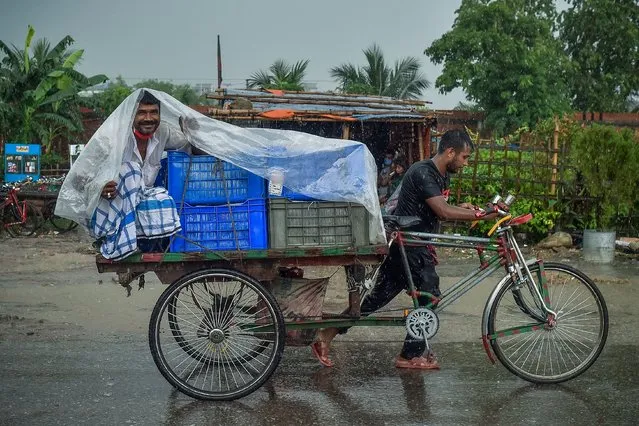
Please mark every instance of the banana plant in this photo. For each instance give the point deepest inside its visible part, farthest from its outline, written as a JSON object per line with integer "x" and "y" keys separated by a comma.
{"x": 38, "y": 86}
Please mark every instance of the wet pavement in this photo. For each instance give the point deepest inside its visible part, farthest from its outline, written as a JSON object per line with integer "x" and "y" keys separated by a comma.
{"x": 73, "y": 350}
{"x": 114, "y": 381}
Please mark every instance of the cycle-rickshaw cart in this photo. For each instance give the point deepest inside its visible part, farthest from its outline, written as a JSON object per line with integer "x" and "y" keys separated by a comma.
{"x": 218, "y": 333}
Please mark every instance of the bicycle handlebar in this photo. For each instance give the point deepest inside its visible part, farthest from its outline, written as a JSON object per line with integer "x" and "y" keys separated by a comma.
{"x": 499, "y": 205}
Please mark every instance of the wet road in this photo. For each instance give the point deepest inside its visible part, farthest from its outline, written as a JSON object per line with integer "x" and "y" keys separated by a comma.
{"x": 112, "y": 380}
{"x": 73, "y": 350}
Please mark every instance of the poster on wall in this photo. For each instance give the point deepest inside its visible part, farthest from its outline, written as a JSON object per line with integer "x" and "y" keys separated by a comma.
{"x": 74, "y": 152}
{"x": 21, "y": 161}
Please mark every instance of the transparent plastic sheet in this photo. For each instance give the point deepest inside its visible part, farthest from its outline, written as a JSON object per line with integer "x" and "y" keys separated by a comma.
{"x": 322, "y": 168}
{"x": 391, "y": 203}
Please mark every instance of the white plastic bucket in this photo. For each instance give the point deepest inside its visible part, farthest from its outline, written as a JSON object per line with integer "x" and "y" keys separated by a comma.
{"x": 599, "y": 246}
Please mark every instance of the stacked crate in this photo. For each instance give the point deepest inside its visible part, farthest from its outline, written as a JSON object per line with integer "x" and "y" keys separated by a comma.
{"x": 221, "y": 206}
{"x": 224, "y": 207}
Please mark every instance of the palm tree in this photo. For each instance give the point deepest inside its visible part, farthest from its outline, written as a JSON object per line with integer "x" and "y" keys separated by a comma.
{"x": 403, "y": 81}
{"x": 281, "y": 75}
{"x": 38, "y": 90}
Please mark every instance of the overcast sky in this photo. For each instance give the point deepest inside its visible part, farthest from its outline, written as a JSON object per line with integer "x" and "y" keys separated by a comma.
{"x": 175, "y": 40}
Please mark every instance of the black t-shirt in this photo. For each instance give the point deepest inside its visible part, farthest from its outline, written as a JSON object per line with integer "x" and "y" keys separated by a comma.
{"x": 422, "y": 181}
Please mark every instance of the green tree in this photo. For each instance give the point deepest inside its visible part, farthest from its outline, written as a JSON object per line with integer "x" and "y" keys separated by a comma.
{"x": 467, "y": 106}
{"x": 403, "y": 81}
{"x": 105, "y": 102}
{"x": 504, "y": 55}
{"x": 608, "y": 161}
{"x": 602, "y": 39}
{"x": 38, "y": 90}
{"x": 183, "y": 92}
{"x": 280, "y": 75}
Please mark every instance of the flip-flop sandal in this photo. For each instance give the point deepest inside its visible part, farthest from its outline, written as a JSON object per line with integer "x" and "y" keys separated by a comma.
{"x": 320, "y": 350}
{"x": 417, "y": 363}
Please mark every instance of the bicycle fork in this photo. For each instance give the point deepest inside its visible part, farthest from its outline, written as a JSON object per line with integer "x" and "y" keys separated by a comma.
{"x": 518, "y": 270}
{"x": 516, "y": 266}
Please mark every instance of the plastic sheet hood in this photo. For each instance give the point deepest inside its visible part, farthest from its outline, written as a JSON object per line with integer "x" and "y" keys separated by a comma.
{"x": 322, "y": 168}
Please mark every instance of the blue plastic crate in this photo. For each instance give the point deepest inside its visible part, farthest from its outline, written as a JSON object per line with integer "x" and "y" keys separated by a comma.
{"x": 161, "y": 179}
{"x": 293, "y": 196}
{"x": 212, "y": 227}
{"x": 211, "y": 181}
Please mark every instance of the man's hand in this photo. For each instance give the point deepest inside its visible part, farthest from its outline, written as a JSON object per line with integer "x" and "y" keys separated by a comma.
{"x": 490, "y": 213}
{"x": 490, "y": 216}
{"x": 188, "y": 124}
{"x": 468, "y": 206}
{"x": 109, "y": 189}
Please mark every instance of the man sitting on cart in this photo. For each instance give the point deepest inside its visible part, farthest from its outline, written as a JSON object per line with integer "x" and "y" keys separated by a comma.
{"x": 132, "y": 214}
{"x": 424, "y": 193}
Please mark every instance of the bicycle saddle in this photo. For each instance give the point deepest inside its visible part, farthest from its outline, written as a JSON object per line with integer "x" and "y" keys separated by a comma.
{"x": 401, "y": 222}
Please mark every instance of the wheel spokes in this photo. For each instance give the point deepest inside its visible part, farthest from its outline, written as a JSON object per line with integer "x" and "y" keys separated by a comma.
{"x": 223, "y": 334}
{"x": 551, "y": 350}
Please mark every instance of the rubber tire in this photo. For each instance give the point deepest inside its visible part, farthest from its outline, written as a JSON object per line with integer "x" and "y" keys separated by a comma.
{"x": 59, "y": 223}
{"x": 158, "y": 358}
{"x": 33, "y": 221}
{"x": 585, "y": 280}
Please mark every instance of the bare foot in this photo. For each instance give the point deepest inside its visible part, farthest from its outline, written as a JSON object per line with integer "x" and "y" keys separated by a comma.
{"x": 320, "y": 350}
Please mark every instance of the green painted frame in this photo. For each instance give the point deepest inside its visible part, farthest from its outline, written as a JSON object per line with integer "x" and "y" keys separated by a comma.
{"x": 260, "y": 262}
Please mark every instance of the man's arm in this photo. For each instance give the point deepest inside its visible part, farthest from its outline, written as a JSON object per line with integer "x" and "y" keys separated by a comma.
{"x": 445, "y": 211}
{"x": 175, "y": 139}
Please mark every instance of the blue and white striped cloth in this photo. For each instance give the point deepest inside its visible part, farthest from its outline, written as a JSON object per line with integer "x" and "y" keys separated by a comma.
{"x": 135, "y": 211}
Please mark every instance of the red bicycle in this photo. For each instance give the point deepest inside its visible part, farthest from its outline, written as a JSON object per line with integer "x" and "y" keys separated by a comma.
{"x": 19, "y": 218}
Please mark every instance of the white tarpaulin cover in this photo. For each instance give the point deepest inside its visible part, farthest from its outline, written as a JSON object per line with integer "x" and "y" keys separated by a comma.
{"x": 322, "y": 168}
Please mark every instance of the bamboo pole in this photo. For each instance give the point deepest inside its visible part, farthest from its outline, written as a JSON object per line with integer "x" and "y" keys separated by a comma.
{"x": 219, "y": 63}
{"x": 300, "y": 95}
{"x": 239, "y": 114}
{"x": 410, "y": 146}
{"x": 296, "y": 118}
{"x": 555, "y": 150}
{"x": 315, "y": 101}
{"x": 474, "y": 181}
{"x": 231, "y": 111}
{"x": 505, "y": 164}
{"x": 522, "y": 140}
{"x": 346, "y": 131}
{"x": 491, "y": 157}
{"x": 420, "y": 140}
{"x": 427, "y": 138}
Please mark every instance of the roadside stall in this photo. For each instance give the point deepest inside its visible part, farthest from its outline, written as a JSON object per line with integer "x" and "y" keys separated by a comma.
{"x": 21, "y": 161}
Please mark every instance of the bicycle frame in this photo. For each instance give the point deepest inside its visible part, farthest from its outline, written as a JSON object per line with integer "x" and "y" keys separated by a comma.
{"x": 507, "y": 255}
{"x": 12, "y": 199}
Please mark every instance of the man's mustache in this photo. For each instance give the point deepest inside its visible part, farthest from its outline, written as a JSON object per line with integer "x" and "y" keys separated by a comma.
{"x": 143, "y": 123}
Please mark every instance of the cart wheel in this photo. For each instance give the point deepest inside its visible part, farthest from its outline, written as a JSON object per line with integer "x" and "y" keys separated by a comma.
{"x": 256, "y": 345}
{"x": 216, "y": 334}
